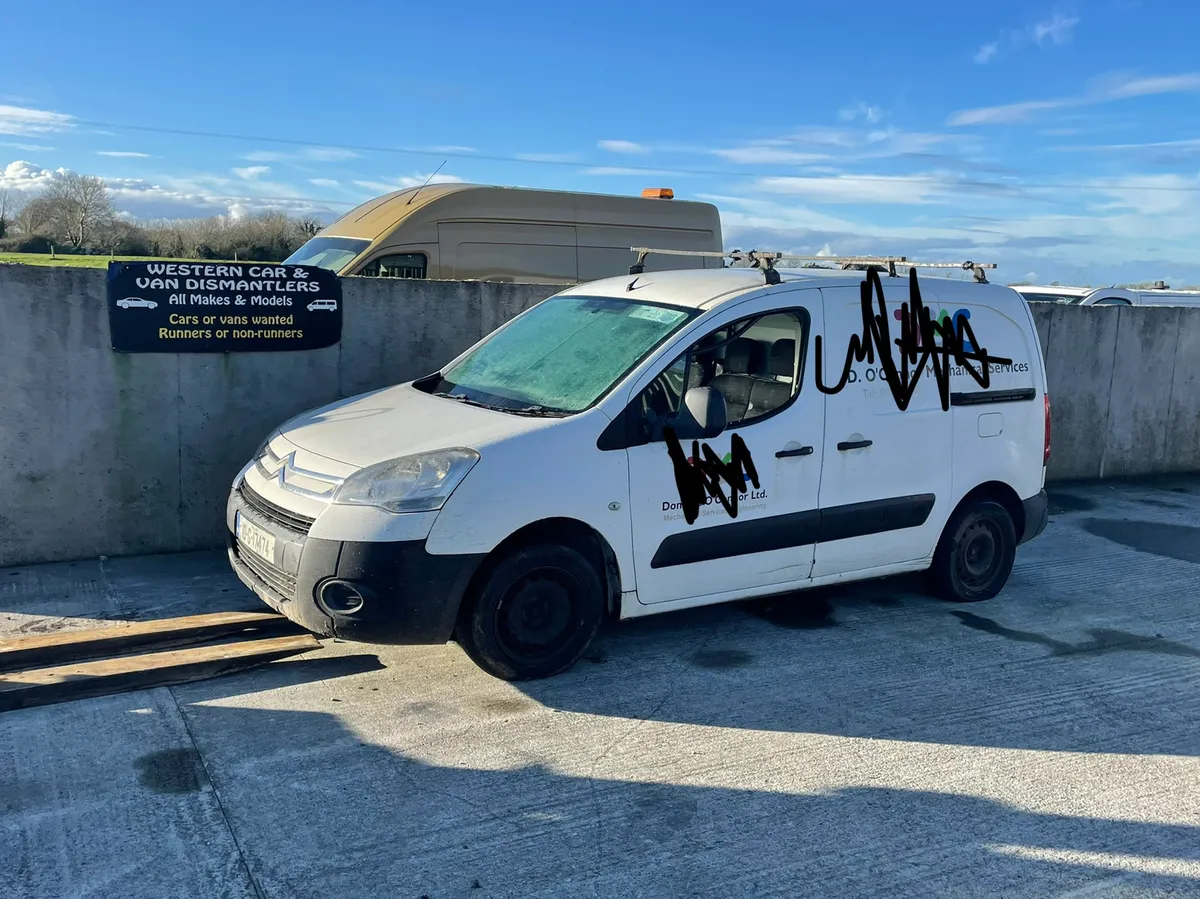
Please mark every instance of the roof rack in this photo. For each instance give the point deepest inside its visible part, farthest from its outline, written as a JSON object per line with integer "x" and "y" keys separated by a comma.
{"x": 766, "y": 261}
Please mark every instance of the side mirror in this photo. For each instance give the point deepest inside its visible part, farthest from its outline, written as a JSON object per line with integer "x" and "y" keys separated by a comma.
{"x": 701, "y": 416}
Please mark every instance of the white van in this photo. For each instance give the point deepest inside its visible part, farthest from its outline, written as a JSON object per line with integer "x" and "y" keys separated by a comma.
{"x": 1159, "y": 295}
{"x": 544, "y": 478}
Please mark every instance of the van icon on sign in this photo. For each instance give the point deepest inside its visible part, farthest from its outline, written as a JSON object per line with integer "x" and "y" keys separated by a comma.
{"x": 316, "y": 305}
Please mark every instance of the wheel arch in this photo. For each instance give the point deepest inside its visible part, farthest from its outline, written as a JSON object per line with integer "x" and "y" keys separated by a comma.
{"x": 1001, "y": 493}
{"x": 566, "y": 532}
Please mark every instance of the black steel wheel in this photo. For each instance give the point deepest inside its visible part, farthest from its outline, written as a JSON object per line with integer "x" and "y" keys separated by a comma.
{"x": 975, "y": 555}
{"x": 535, "y": 614}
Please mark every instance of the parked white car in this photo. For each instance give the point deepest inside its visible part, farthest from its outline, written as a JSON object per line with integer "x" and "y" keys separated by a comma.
{"x": 1159, "y": 295}
{"x": 647, "y": 443}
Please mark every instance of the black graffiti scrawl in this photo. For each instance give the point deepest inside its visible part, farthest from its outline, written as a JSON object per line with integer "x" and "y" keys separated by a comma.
{"x": 917, "y": 345}
{"x": 702, "y": 478}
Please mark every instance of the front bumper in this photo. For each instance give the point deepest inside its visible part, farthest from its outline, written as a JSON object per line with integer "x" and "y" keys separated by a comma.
{"x": 1037, "y": 514}
{"x": 408, "y": 595}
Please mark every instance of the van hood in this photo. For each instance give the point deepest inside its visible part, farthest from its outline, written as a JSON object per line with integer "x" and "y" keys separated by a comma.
{"x": 399, "y": 421}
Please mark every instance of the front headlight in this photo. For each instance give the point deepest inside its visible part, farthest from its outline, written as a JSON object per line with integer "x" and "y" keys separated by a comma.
{"x": 420, "y": 483}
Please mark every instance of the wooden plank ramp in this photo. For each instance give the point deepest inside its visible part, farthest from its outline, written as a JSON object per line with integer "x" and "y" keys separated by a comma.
{"x": 51, "y": 668}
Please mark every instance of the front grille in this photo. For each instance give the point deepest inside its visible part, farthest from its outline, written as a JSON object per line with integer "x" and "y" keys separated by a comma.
{"x": 275, "y": 578}
{"x": 293, "y": 521}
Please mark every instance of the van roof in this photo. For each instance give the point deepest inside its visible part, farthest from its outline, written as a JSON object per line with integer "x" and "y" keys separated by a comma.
{"x": 1055, "y": 291}
{"x": 708, "y": 288}
{"x": 380, "y": 215}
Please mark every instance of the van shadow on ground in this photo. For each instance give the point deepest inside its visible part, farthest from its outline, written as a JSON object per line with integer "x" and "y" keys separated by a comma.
{"x": 884, "y": 660}
{"x": 353, "y": 819}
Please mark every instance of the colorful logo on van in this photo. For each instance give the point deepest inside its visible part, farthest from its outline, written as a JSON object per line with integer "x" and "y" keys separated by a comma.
{"x": 725, "y": 459}
{"x": 942, "y": 317}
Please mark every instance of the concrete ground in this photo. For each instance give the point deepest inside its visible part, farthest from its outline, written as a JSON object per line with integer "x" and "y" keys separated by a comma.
{"x": 868, "y": 741}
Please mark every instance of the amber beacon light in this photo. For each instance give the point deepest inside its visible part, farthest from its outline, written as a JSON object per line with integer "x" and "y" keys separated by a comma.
{"x": 658, "y": 193}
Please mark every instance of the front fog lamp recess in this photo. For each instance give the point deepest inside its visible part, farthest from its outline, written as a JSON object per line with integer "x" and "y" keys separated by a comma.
{"x": 418, "y": 483}
{"x": 340, "y": 598}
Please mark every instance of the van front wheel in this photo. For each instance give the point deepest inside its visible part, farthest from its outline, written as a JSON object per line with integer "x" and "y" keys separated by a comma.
{"x": 975, "y": 554}
{"x": 535, "y": 614}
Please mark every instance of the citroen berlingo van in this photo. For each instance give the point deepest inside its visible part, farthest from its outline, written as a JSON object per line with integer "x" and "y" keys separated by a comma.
{"x": 653, "y": 442}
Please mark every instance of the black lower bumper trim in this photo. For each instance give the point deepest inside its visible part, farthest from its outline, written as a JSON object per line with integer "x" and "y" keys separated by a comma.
{"x": 1037, "y": 514}
{"x": 411, "y": 596}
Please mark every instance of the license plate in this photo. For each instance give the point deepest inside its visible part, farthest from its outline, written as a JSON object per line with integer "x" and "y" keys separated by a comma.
{"x": 255, "y": 539}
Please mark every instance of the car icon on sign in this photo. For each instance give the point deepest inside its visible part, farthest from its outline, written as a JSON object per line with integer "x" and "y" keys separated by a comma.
{"x": 131, "y": 302}
{"x": 322, "y": 304}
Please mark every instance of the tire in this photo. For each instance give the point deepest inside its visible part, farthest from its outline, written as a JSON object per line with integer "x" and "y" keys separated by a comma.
{"x": 975, "y": 554}
{"x": 535, "y": 614}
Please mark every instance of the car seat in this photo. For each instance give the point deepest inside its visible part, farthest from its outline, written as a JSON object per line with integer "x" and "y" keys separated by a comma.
{"x": 743, "y": 357}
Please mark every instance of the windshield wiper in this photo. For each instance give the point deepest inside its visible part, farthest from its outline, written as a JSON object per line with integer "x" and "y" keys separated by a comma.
{"x": 542, "y": 411}
{"x": 539, "y": 411}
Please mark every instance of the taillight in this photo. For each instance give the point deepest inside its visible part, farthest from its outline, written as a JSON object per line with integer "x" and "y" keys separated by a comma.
{"x": 1046, "y": 449}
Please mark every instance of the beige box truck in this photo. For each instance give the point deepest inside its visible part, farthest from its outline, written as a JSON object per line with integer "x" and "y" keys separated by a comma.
{"x": 471, "y": 232}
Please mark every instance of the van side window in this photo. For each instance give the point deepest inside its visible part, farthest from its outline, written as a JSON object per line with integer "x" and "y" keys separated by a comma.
{"x": 755, "y": 364}
{"x": 1112, "y": 301}
{"x": 404, "y": 265}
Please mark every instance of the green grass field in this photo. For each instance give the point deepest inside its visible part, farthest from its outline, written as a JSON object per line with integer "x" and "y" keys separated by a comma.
{"x": 85, "y": 261}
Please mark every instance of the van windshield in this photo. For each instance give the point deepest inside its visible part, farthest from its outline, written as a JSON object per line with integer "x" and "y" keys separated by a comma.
{"x": 561, "y": 356}
{"x": 328, "y": 252}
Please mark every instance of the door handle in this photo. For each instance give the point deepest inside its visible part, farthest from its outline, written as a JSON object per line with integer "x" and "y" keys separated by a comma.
{"x": 853, "y": 444}
{"x": 802, "y": 451}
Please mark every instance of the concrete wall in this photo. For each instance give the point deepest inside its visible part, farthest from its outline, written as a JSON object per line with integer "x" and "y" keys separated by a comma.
{"x": 1124, "y": 388}
{"x": 105, "y": 453}
{"x": 112, "y": 454}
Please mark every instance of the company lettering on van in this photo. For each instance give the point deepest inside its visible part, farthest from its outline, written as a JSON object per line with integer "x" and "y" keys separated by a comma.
{"x": 699, "y": 477}
{"x": 170, "y": 307}
{"x": 919, "y": 351}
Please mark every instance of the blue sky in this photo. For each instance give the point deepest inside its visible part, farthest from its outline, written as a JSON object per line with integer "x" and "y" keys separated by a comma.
{"x": 1061, "y": 141}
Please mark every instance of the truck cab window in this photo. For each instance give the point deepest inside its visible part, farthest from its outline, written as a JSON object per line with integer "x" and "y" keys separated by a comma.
{"x": 404, "y": 265}
{"x": 754, "y": 363}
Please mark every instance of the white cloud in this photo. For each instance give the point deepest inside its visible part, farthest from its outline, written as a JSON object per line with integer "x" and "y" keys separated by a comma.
{"x": 26, "y": 177}
{"x": 306, "y": 154}
{"x": 1058, "y": 29}
{"x": 869, "y": 189}
{"x": 252, "y": 172}
{"x": 23, "y": 120}
{"x": 418, "y": 180}
{"x": 1121, "y": 88}
{"x": 200, "y": 195}
{"x": 860, "y": 111}
{"x": 548, "y": 157}
{"x": 767, "y": 155}
{"x": 123, "y": 154}
{"x": 606, "y": 170}
{"x": 812, "y": 145}
{"x": 406, "y": 181}
{"x": 324, "y": 182}
{"x": 987, "y": 52}
{"x": 1118, "y": 87}
{"x": 28, "y": 148}
{"x": 1008, "y": 113}
{"x": 452, "y": 149}
{"x": 627, "y": 147}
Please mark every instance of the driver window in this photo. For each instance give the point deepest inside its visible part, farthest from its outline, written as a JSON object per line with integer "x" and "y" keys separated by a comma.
{"x": 754, "y": 364}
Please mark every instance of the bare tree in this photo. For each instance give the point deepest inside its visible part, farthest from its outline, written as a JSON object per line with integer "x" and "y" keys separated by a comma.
{"x": 36, "y": 217}
{"x": 10, "y": 205}
{"x": 83, "y": 206}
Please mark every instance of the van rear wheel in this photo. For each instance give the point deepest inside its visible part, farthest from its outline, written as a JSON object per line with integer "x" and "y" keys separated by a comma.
{"x": 535, "y": 614}
{"x": 975, "y": 555}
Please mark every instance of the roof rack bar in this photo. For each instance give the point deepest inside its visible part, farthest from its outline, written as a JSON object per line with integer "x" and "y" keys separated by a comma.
{"x": 766, "y": 261}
